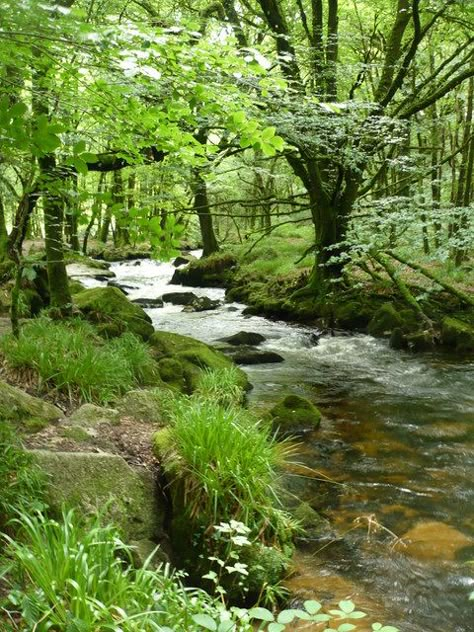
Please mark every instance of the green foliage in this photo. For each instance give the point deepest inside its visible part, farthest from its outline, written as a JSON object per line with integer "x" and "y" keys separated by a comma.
{"x": 73, "y": 576}
{"x": 20, "y": 481}
{"x": 228, "y": 464}
{"x": 222, "y": 386}
{"x": 71, "y": 358}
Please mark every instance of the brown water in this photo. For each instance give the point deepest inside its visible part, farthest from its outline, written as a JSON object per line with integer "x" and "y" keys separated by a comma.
{"x": 397, "y": 442}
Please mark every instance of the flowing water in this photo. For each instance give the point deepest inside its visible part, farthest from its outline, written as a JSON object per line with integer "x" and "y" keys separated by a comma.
{"x": 395, "y": 448}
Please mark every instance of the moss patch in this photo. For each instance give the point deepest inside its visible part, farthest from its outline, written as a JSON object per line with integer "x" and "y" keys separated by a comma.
{"x": 295, "y": 415}
{"x": 456, "y": 333}
{"x": 16, "y": 405}
{"x": 213, "y": 271}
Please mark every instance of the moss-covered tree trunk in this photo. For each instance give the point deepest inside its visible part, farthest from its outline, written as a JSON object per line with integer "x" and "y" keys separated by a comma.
{"x": 3, "y": 233}
{"x": 201, "y": 205}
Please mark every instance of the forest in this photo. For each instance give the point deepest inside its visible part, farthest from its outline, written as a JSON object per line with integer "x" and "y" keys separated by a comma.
{"x": 236, "y": 315}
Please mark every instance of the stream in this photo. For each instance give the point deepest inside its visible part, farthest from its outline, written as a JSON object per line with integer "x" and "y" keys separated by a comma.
{"x": 395, "y": 448}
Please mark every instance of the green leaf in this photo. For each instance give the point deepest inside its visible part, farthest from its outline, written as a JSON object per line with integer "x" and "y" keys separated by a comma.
{"x": 205, "y": 621}
{"x": 346, "y": 627}
{"x": 312, "y": 606}
{"x": 268, "y": 133}
{"x": 261, "y": 613}
{"x": 286, "y": 616}
{"x": 79, "y": 147}
{"x": 346, "y": 606}
{"x": 276, "y": 627}
{"x": 278, "y": 143}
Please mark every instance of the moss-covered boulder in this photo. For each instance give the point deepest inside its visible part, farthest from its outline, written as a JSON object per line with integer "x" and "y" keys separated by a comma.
{"x": 93, "y": 481}
{"x": 352, "y": 314}
{"x": 18, "y": 406}
{"x": 458, "y": 334}
{"x": 89, "y": 415}
{"x": 174, "y": 374}
{"x": 113, "y": 313}
{"x": 193, "y": 356}
{"x": 385, "y": 320}
{"x": 213, "y": 271}
{"x": 244, "y": 338}
{"x": 142, "y": 405}
{"x": 266, "y": 566}
{"x": 295, "y": 415}
{"x": 314, "y": 526}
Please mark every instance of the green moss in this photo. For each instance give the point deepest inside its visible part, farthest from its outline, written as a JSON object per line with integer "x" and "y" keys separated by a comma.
{"x": 76, "y": 434}
{"x": 75, "y": 286}
{"x": 34, "y": 424}
{"x": 16, "y": 405}
{"x": 172, "y": 372}
{"x": 109, "y": 307}
{"x": 266, "y": 566}
{"x": 295, "y": 415}
{"x": 353, "y": 314}
{"x": 385, "y": 320}
{"x": 456, "y": 333}
{"x": 213, "y": 271}
{"x": 143, "y": 405}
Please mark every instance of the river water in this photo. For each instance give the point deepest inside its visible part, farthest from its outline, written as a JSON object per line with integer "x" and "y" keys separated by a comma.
{"x": 394, "y": 456}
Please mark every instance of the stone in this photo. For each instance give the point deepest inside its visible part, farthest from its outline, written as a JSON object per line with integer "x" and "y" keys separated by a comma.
{"x": 16, "y": 405}
{"x": 91, "y": 415}
{"x": 202, "y": 304}
{"x": 433, "y": 540}
{"x": 173, "y": 373}
{"x": 295, "y": 415}
{"x": 109, "y": 308}
{"x": 146, "y": 552}
{"x": 148, "y": 303}
{"x": 179, "y": 298}
{"x": 385, "y": 320}
{"x": 352, "y": 315}
{"x": 456, "y": 333}
{"x": 122, "y": 286}
{"x": 142, "y": 405}
{"x": 420, "y": 341}
{"x": 245, "y": 338}
{"x": 213, "y": 271}
{"x": 84, "y": 270}
{"x": 182, "y": 260}
{"x": 254, "y": 356}
{"x": 398, "y": 339}
{"x": 91, "y": 481}
{"x": 314, "y": 526}
{"x": 193, "y": 355}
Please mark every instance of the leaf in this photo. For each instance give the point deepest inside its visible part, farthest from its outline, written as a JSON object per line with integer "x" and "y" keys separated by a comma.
{"x": 226, "y": 626}
{"x": 286, "y": 616}
{"x": 346, "y": 627}
{"x": 312, "y": 606}
{"x": 262, "y": 614}
{"x": 346, "y": 606}
{"x": 278, "y": 143}
{"x": 268, "y": 133}
{"x": 238, "y": 118}
{"x": 276, "y": 627}
{"x": 79, "y": 147}
{"x": 205, "y": 621}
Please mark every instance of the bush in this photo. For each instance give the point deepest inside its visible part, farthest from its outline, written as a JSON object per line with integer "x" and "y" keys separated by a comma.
{"x": 20, "y": 481}
{"x": 70, "y": 357}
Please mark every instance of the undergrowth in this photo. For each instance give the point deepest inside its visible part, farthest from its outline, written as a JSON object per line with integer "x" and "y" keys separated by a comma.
{"x": 70, "y": 357}
{"x": 222, "y": 386}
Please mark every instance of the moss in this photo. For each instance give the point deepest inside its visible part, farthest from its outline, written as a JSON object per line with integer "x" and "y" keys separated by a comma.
{"x": 295, "y": 415}
{"x": 314, "y": 526}
{"x": 353, "y": 314}
{"x": 95, "y": 482}
{"x": 172, "y": 372}
{"x": 142, "y": 405}
{"x": 16, "y": 405}
{"x": 89, "y": 415}
{"x": 266, "y": 566}
{"x": 34, "y": 424}
{"x": 109, "y": 307}
{"x": 385, "y": 320}
{"x": 75, "y": 286}
{"x": 213, "y": 271}
{"x": 76, "y": 434}
{"x": 456, "y": 333}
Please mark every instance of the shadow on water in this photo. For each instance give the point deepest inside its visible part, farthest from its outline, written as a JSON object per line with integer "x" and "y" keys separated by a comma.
{"x": 397, "y": 431}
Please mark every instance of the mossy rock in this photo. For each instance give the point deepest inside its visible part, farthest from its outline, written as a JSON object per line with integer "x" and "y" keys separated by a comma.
{"x": 90, "y": 482}
{"x": 76, "y": 286}
{"x": 193, "y": 356}
{"x": 295, "y": 415}
{"x": 18, "y": 406}
{"x": 352, "y": 314}
{"x": 213, "y": 271}
{"x": 142, "y": 405}
{"x": 266, "y": 566}
{"x": 458, "y": 334}
{"x": 314, "y": 526}
{"x": 173, "y": 373}
{"x": 110, "y": 308}
{"x": 89, "y": 415}
{"x": 385, "y": 320}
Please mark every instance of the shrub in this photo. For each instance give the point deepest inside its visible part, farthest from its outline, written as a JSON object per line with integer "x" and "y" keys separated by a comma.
{"x": 20, "y": 481}
{"x": 222, "y": 386}
{"x": 70, "y": 357}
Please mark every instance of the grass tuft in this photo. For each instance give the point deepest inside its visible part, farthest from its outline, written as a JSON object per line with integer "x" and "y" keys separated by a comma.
{"x": 222, "y": 386}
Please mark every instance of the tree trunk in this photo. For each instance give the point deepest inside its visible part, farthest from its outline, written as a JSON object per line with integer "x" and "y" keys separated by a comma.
{"x": 201, "y": 205}
{"x": 3, "y": 233}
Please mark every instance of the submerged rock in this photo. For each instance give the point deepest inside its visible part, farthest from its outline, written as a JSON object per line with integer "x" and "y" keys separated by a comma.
{"x": 122, "y": 286}
{"x": 16, "y": 405}
{"x": 202, "y": 304}
{"x": 245, "y": 338}
{"x": 114, "y": 314}
{"x": 433, "y": 541}
{"x": 247, "y": 355}
{"x": 90, "y": 482}
{"x": 148, "y": 303}
{"x": 295, "y": 415}
{"x": 314, "y": 526}
{"x": 213, "y": 271}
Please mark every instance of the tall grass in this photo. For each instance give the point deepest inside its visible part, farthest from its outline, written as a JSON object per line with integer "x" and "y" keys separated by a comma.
{"x": 78, "y": 577}
{"x": 228, "y": 465}
{"x": 69, "y": 356}
{"x": 222, "y": 386}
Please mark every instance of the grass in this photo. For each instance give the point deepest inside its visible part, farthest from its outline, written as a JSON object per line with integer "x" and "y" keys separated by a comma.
{"x": 78, "y": 576}
{"x": 70, "y": 357}
{"x": 228, "y": 465}
{"x": 222, "y": 386}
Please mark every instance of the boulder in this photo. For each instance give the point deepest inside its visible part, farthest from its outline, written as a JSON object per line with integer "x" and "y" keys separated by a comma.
{"x": 85, "y": 270}
{"x": 352, "y": 315}
{"x": 175, "y": 375}
{"x": 16, "y": 405}
{"x": 202, "y": 304}
{"x": 295, "y": 415}
{"x": 244, "y": 338}
{"x": 179, "y": 298}
{"x": 247, "y": 355}
{"x": 458, "y": 334}
{"x": 314, "y": 526}
{"x": 142, "y": 405}
{"x": 213, "y": 271}
{"x": 91, "y": 415}
{"x": 193, "y": 356}
{"x": 182, "y": 260}
{"x": 433, "y": 540}
{"x": 91, "y": 481}
{"x": 114, "y": 314}
{"x": 148, "y": 303}
{"x": 122, "y": 286}
{"x": 385, "y": 320}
